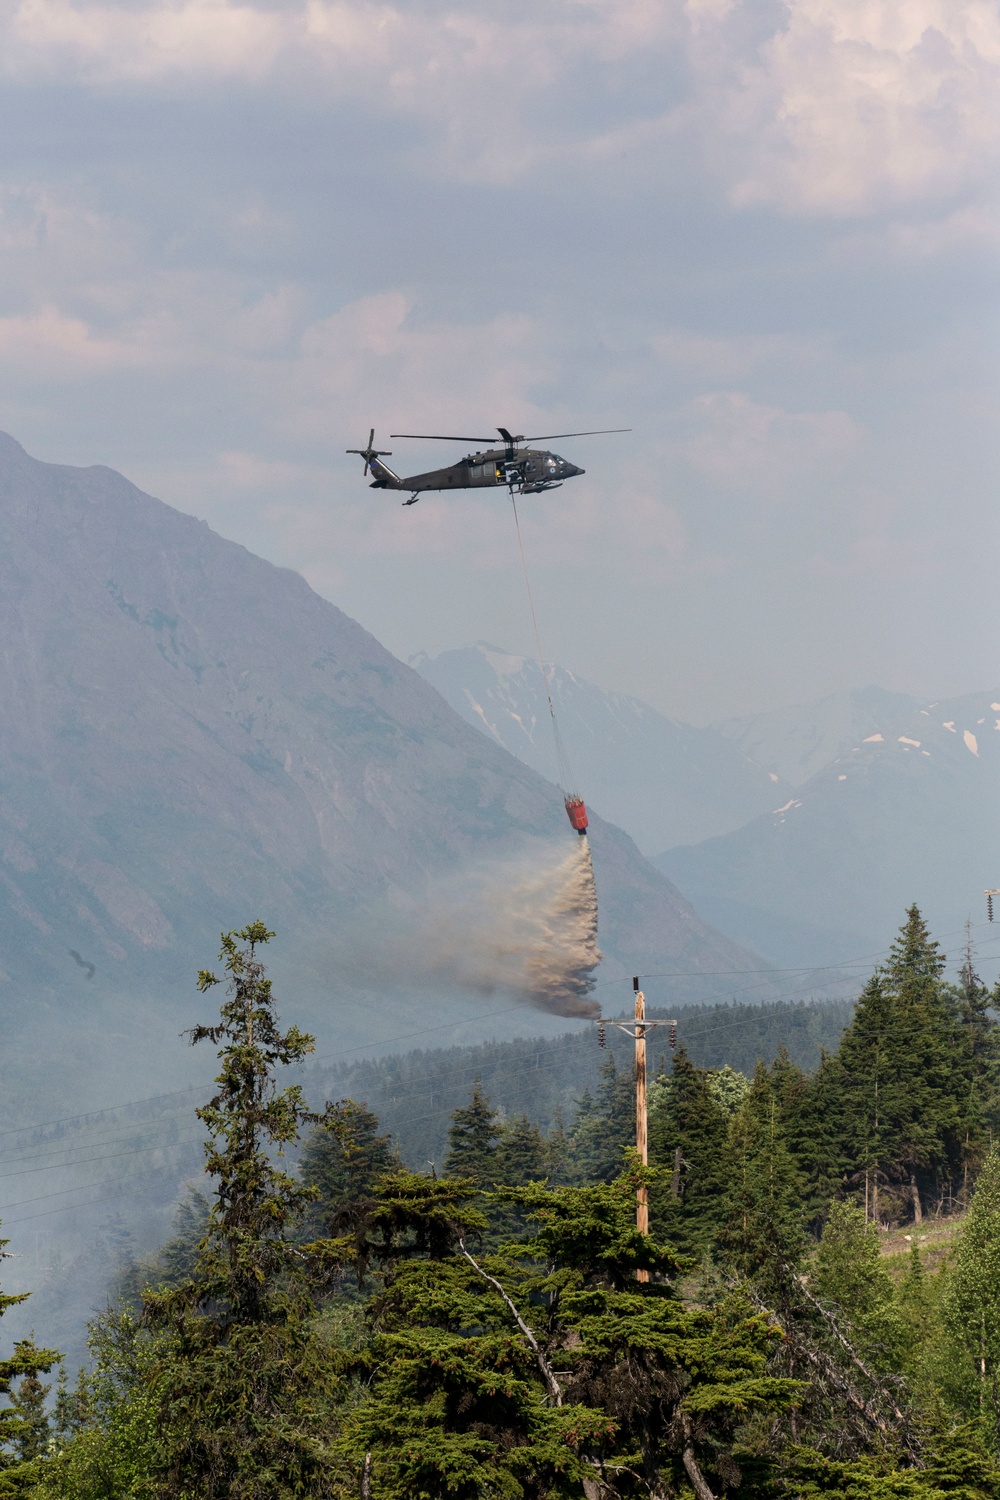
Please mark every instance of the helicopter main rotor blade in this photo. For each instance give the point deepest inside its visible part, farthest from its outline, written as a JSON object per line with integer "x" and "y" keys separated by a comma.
{"x": 548, "y": 437}
{"x": 439, "y": 437}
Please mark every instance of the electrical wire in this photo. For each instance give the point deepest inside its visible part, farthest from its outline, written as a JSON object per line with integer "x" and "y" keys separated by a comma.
{"x": 543, "y": 1051}
{"x": 486, "y": 1016}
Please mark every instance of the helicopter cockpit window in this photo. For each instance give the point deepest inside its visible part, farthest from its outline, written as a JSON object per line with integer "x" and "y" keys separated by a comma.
{"x": 554, "y": 459}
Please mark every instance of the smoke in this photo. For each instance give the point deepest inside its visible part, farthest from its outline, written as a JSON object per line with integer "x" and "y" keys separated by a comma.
{"x": 525, "y": 927}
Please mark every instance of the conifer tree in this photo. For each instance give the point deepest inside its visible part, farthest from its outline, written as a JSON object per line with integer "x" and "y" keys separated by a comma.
{"x": 604, "y": 1127}
{"x": 919, "y": 1313}
{"x": 342, "y": 1159}
{"x": 521, "y": 1155}
{"x": 536, "y": 1371}
{"x": 848, "y": 1272}
{"x": 972, "y": 1309}
{"x": 975, "y": 1003}
{"x": 63, "y": 1425}
{"x": 19, "y": 1384}
{"x": 902, "y": 1073}
{"x": 687, "y": 1141}
{"x": 472, "y": 1138}
{"x": 822, "y": 1150}
{"x": 762, "y": 1237}
{"x": 28, "y": 1404}
{"x": 243, "y": 1387}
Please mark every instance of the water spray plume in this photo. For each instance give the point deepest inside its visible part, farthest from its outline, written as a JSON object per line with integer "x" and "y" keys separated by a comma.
{"x": 525, "y": 927}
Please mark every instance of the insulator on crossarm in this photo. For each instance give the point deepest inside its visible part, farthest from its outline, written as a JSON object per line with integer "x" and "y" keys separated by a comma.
{"x": 673, "y": 1036}
{"x": 601, "y": 1039}
{"x": 989, "y": 907}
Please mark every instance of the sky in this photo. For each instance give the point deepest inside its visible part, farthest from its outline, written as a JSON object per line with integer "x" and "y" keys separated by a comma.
{"x": 762, "y": 235}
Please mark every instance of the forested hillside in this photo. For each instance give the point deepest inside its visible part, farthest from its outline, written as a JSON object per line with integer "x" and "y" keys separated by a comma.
{"x": 498, "y": 1326}
{"x": 413, "y": 1093}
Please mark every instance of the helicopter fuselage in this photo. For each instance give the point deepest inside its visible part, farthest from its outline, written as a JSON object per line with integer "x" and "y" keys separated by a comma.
{"x": 528, "y": 470}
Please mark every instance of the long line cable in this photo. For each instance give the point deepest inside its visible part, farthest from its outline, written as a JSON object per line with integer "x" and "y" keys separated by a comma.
{"x": 562, "y": 761}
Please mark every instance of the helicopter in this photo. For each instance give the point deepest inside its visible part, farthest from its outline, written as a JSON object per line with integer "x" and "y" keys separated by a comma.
{"x": 529, "y": 471}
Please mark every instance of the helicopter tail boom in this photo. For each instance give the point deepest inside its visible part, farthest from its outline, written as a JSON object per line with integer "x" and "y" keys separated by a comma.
{"x": 384, "y": 478}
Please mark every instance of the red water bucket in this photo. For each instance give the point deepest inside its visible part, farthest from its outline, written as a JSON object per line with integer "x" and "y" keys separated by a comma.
{"x": 577, "y": 814}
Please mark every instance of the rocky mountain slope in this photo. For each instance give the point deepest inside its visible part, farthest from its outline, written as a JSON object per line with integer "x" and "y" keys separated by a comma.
{"x": 911, "y": 812}
{"x": 797, "y": 741}
{"x": 663, "y": 781}
{"x": 192, "y": 738}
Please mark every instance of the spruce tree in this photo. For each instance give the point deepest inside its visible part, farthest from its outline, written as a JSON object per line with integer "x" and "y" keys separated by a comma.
{"x": 972, "y": 1308}
{"x": 175, "y": 1260}
{"x": 903, "y": 1077}
{"x": 919, "y": 1315}
{"x": 822, "y": 1148}
{"x": 848, "y": 1272}
{"x": 472, "y": 1138}
{"x": 28, "y": 1404}
{"x": 342, "y": 1159}
{"x": 975, "y": 1002}
{"x": 521, "y": 1153}
{"x": 604, "y": 1127}
{"x": 687, "y": 1141}
{"x": 63, "y": 1425}
{"x": 544, "y": 1370}
{"x": 762, "y": 1238}
{"x": 243, "y": 1387}
{"x": 20, "y": 1418}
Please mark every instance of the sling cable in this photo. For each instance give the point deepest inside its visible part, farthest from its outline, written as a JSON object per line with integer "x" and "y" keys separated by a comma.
{"x": 576, "y": 810}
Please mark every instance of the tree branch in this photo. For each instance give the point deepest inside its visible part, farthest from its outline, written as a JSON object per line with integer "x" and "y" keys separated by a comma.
{"x": 698, "y": 1482}
{"x": 852, "y": 1352}
{"x": 548, "y": 1375}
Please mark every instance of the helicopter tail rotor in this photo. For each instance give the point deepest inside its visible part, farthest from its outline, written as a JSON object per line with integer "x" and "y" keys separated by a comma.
{"x": 371, "y": 452}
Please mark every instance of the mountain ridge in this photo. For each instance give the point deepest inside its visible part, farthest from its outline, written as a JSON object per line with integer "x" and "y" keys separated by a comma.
{"x": 195, "y": 738}
{"x": 910, "y": 814}
{"x": 662, "y": 780}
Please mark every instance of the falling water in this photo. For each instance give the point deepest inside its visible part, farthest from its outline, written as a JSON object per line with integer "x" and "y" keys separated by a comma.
{"x": 526, "y": 927}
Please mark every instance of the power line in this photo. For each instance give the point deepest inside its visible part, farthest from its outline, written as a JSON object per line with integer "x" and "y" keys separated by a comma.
{"x": 447, "y": 1025}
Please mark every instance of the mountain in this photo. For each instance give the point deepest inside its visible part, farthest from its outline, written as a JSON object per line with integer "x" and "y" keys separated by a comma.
{"x": 798, "y": 741}
{"x": 664, "y": 782}
{"x": 192, "y": 738}
{"x": 910, "y": 813}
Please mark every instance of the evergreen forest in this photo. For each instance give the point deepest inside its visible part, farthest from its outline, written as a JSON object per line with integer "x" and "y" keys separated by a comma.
{"x": 815, "y": 1310}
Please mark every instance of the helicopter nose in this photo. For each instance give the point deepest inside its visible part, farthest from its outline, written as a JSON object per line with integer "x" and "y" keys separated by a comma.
{"x": 572, "y": 469}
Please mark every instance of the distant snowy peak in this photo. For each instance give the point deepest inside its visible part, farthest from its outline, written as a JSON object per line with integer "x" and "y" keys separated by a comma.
{"x": 909, "y": 812}
{"x": 970, "y": 728}
{"x": 794, "y": 743}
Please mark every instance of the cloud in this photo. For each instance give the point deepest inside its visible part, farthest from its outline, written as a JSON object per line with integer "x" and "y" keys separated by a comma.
{"x": 839, "y": 107}
{"x": 854, "y": 106}
{"x": 108, "y": 43}
{"x": 743, "y": 445}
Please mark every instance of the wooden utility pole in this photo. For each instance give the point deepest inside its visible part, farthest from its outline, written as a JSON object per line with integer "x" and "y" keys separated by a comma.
{"x": 637, "y": 1027}
{"x": 641, "y": 1116}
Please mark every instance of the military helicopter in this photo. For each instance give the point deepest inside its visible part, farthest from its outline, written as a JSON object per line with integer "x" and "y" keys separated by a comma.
{"x": 529, "y": 471}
